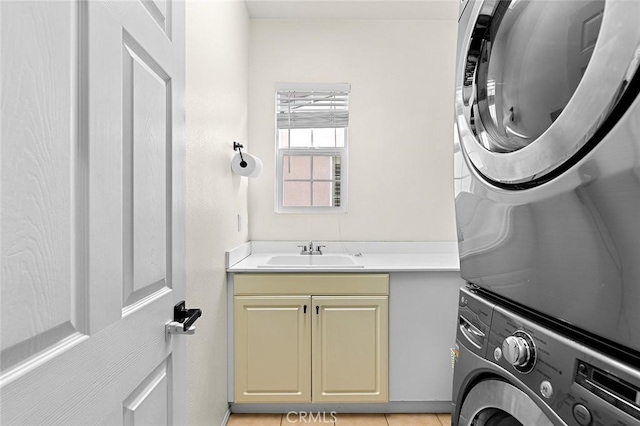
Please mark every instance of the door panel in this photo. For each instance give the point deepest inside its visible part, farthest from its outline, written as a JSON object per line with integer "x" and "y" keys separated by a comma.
{"x": 272, "y": 349}
{"x": 160, "y": 11}
{"x": 38, "y": 247}
{"x": 147, "y": 405}
{"x": 350, "y": 349}
{"x": 146, "y": 120}
{"x": 149, "y": 182}
{"x": 92, "y": 213}
{"x": 87, "y": 379}
{"x": 131, "y": 64}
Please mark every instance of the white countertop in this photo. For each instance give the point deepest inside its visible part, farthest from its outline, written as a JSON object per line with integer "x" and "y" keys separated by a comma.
{"x": 368, "y": 256}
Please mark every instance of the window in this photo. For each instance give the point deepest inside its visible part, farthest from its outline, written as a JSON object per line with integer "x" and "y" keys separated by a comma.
{"x": 311, "y": 144}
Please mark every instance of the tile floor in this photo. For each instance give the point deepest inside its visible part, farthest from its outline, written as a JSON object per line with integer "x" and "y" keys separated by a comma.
{"x": 341, "y": 419}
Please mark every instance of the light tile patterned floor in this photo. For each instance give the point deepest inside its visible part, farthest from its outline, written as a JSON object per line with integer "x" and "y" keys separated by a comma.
{"x": 341, "y": 419}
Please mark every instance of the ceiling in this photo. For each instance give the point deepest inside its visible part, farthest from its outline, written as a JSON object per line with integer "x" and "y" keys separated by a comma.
{"x": 438, "y": 10}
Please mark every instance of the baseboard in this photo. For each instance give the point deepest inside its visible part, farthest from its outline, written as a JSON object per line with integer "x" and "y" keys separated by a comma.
{"x": 390, "y": 407}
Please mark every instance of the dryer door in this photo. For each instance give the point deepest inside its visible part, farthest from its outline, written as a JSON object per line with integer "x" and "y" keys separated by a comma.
{"x": 537, "y": 79}
{"x": 497, "y": 403}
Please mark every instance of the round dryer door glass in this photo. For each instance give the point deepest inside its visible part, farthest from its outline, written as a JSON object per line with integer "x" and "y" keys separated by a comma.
{"x": 534, "y": 55}
{"x": 536, "y": 80}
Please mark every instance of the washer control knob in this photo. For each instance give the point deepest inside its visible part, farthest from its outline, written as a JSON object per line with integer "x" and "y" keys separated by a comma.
{"x": 519, "y": 351}
{"x": 515, "y": 350}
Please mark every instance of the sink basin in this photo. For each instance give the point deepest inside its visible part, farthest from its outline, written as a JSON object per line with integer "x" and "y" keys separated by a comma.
{"x": 306, "y": 261}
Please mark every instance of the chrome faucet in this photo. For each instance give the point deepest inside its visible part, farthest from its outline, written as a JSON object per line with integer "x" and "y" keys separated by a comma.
{"x": 310, "y": 251}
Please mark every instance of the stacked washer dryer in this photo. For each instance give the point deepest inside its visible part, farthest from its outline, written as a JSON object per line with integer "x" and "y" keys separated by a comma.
{"x": 547, "y": 165}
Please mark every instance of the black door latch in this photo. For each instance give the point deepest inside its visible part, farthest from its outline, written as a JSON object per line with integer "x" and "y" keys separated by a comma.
{"x": 183, "y": 319}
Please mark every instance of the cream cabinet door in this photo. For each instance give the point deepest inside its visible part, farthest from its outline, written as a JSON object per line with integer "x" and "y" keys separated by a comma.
{"x": 350, "y": 349}
{"x": 272, "y": 348}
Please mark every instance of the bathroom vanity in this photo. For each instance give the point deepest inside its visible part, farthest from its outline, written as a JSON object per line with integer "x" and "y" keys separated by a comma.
{"x": 368, "y": 329}
{"x": 311, "y": 337}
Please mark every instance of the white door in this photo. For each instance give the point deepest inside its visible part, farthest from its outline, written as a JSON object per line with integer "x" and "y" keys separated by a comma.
{"x": 92, "y": 224}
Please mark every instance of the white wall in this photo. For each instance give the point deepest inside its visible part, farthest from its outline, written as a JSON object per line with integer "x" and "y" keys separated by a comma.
{"x": 216, "y": 96}
{"x": 401, "y": 124}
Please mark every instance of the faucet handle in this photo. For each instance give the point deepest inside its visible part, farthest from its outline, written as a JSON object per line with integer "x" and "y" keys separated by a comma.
{"x": 319, "y": 249}
{"x": 303, "y": 249}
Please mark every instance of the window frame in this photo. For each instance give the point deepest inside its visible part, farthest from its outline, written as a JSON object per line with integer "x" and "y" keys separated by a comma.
{"x": 282, "y": 152}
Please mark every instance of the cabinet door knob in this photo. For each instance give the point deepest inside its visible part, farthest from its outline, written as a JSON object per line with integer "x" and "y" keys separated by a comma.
{"x": 317, "y": 310}
{"x": 304, "y": 309}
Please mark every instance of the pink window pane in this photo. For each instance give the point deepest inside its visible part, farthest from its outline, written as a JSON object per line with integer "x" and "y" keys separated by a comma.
{"x": 322, "y": 167}
{"x": 322, "y": 194}
{"x": 299, "y": 168}
{"x": 296, "y": 194}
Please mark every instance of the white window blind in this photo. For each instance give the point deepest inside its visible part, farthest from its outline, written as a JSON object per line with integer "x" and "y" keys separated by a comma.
{"x": 312, "y": 109}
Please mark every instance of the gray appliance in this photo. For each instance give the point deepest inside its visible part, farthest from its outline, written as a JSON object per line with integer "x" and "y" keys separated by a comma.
{"x": 511, "y": 371}
{"x": 547, "y": 162}
{"x": 547, "y": 182}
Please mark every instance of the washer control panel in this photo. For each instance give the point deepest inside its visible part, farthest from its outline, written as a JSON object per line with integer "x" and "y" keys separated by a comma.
{"x": 610, "y": 388}
{"x": 582, "y": 386}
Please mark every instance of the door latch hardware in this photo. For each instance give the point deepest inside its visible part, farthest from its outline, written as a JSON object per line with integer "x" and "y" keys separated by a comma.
{"x": 175, "y": 327}
{"x": 183, "y": 320}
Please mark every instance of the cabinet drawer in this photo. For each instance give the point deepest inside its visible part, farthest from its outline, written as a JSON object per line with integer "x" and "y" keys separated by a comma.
{"x": 315, "y": 284}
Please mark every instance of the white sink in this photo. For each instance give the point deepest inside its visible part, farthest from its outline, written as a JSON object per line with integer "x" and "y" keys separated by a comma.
{"x": 310, "y": 261}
